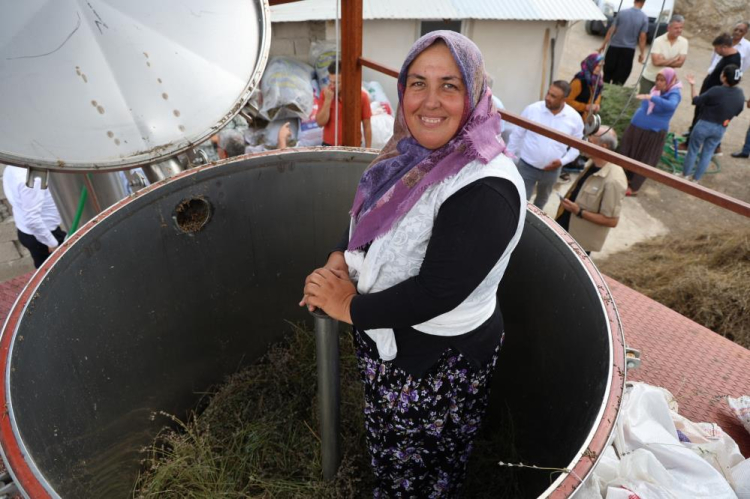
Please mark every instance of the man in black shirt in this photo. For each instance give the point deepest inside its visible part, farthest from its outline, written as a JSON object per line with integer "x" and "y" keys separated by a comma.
{"x": 723, "y": 46}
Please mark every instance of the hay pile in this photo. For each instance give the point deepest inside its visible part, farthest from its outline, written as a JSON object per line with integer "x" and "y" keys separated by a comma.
{"x": 257, "y": 438}
{"x": 258, "y": 435}
{"x": 704, "y": 276}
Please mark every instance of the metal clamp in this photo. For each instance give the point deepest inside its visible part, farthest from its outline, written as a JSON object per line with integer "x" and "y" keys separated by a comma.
{"x": 36, "y": 173}
{"x": 632, "y": 358}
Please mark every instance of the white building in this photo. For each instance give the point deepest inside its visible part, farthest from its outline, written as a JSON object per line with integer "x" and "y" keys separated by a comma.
{"x": 522, "y": 40}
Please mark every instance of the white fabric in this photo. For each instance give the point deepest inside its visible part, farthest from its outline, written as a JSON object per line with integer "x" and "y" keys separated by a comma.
{"x": 743, "y": 48}
{"x": 539, "y": 151}
{"x": 398, "y": 255}
{"x": 741, "y": 408}
{"x": 654, "y": 464}
{"x": 34, "y": 210}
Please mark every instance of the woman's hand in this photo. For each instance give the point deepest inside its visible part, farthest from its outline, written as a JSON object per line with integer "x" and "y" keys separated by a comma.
{"x": 336, "y": 261}
{"x": 330, "y": 290}
{"x": 643, "y": 96}
{"x": 690, "y": 79}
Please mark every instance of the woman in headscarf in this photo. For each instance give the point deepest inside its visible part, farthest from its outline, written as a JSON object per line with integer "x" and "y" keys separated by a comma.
{"x": 434, "y": 221}
{"x": 585, "y": 97}
{"x": 644, "y": 138}
{"x": 586, "y": 87}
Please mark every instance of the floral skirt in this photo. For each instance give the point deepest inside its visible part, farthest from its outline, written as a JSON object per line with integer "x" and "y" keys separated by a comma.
{"x": 420, "y": 431}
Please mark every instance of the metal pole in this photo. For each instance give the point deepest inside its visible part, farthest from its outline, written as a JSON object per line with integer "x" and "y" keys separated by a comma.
{"x": 327, "y": 351}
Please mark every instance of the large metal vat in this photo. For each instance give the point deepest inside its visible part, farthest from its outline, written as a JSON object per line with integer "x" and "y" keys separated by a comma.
{"x": 139, "y": 313}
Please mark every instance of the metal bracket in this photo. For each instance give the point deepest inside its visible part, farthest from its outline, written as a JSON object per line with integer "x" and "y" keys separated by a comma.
{"x": 632, "y": 358}
{"x": 196, "y": 157}
{"x": 36, "y": 173}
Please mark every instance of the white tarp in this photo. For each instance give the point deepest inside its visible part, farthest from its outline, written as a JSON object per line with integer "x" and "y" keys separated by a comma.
{"x": 658, "y": 454}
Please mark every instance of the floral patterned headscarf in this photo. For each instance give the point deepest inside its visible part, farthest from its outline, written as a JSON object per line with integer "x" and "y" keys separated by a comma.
{"x": 588, "y": 65}
{"x": 398, "y": 177}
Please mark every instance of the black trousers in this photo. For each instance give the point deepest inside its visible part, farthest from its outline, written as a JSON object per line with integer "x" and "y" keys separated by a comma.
{"x": 617, "y": 65}
{"x": 39, "y": 252}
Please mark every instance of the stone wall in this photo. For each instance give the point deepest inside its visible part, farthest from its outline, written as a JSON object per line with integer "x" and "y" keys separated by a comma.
{"x": 708, "y": 18}
{"x": 293, "y": 39}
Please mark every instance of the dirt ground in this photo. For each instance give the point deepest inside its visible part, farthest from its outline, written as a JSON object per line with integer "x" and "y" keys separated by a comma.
{"x": 659, "y": 209}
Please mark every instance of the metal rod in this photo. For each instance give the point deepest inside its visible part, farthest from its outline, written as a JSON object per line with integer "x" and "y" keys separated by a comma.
{"x": 691, "y": 188}
{"x": 327, "y": 352}
{"x": 369, "y": 63}
{"x": 92, "y": 193}
{"x": 713, "y": 197}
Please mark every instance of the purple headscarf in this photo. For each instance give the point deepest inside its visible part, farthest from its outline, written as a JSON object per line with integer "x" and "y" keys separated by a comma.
{"x": 588, "y": 65}
{"x": 398, "y": 177}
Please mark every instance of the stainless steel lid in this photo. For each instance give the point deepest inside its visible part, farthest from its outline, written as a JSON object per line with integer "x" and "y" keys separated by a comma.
{"x": 103, "y": 84}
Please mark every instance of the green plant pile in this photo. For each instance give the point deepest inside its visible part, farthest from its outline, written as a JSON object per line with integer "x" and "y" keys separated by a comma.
{"x": 614, "y": 100}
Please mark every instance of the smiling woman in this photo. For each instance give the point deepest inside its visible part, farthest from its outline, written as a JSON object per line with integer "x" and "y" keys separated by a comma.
{"x": 434, "y": 221}
{"x": 434, "y": 98}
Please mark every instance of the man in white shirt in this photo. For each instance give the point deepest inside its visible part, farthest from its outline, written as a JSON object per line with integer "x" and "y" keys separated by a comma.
{"x": 540, "y": 159}
{"x": 35, "y": 214}
{"x": 667, "y": 51}
{"x": 740, "y": 43}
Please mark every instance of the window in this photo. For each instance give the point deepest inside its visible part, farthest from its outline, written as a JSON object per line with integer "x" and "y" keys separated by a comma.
{"x": 428, "y": 26}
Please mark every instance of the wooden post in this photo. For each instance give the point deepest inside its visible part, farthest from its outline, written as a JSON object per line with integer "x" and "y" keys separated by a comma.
{"x": 545, "y": 51}
{"x": 351, "y": 72}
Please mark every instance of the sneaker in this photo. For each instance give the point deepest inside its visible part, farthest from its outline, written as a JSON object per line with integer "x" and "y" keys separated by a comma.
{"x": 718, "y": 152}
{"x": 740, "y": 155}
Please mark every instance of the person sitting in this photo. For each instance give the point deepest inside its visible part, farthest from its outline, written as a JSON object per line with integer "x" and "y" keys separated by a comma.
{"x": 591, "y": 207}
{"x": 717, "y": 108}
{"x": 328, "y": 117}
{"x": 435, "y": 219}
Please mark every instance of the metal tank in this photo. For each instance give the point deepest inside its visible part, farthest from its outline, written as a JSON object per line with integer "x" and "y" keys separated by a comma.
{"x": 165, "y": 293}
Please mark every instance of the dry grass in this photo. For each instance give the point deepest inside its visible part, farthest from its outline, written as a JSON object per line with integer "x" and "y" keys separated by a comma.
{"x": 256, "y": 438}
{"x": 704, "y": 276}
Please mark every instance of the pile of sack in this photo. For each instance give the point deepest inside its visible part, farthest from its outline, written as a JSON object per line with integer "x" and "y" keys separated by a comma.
{"x": 290, "y": 92}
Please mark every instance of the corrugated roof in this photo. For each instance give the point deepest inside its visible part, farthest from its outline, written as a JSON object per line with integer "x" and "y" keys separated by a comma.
{"x": 523, "y": 10}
